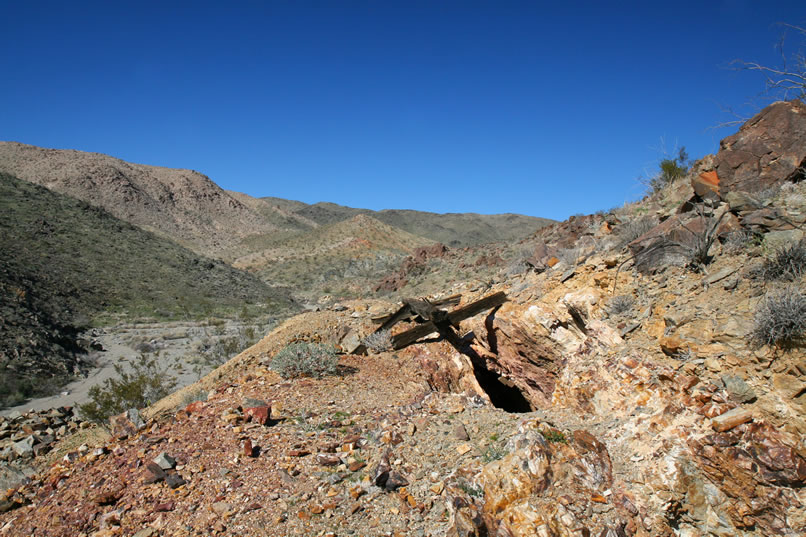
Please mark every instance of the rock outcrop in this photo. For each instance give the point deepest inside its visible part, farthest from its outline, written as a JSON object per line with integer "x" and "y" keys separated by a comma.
{"x": 768, "y": 150}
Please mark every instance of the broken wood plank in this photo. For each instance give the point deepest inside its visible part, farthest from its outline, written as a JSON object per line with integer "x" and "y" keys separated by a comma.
{"x": 465, "y": 312}
{"x": 396, "y": 317}
{"x": 452, "y": 300}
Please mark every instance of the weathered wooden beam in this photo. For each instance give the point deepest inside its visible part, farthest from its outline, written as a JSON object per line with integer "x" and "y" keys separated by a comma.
{"x": 396, "y": 317}
{"x": 452, "y": 300}
{"x": 465, "y": 312}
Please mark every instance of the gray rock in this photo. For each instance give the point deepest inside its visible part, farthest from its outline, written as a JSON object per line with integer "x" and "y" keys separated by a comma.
{"x": 25, "y": 447}
{"x": 165, "y": 461}
{"x": 738, "y": 389}
{"x": 351, "y": 342}
{"x": 742, "y": 201}
{"x": 134, "y": 417}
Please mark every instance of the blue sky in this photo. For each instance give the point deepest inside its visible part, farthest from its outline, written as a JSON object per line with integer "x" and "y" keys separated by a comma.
{"x": 547, "y": 109}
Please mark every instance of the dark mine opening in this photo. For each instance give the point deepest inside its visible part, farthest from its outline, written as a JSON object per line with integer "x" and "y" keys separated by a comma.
{"x": 502, "y": 395}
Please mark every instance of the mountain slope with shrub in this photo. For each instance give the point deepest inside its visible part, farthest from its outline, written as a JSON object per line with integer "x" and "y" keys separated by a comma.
{"x": 646, "y": 376}
{"x": 67, "y": 265}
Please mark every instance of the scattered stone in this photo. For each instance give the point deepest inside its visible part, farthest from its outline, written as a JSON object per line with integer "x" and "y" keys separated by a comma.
{"x": 24, "y": 447}
{"x": 738, "y": 390}
{"x": 248, "y": 448}
{"x": 174, "y": 480}
{"x": 165, "y": 461}
{"x": 155, "y": 473}
{"x": 259, "y": 414}
{"x": 460, "y": 433}
{"x": 463, "y": 448}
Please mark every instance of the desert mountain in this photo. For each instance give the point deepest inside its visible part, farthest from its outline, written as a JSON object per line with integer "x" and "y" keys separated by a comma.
{"x": 186, "y": 206}
{"x": 643, "y": 375}
{"x": 182, "y": 205}
{"x": 349, "y": 255}
{"x": 451, "y": 229}
{"x": 65, "y": 264}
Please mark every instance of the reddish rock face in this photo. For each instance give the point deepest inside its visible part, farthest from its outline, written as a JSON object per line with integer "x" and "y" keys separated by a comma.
{"x": 767, "y": 150}
{"x": 706, "y": 185}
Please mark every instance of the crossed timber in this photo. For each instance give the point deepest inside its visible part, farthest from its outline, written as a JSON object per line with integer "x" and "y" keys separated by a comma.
{"x": 433, "y": 319}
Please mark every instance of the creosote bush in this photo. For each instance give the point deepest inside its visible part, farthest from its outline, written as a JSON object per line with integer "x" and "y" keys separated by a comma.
{"x": 378, "y": 342}
{"x": 780, "y": 318}
{"x": 305, "y": 360}
{"x": 144, "y": 385}
{"x": 787, "y": 262}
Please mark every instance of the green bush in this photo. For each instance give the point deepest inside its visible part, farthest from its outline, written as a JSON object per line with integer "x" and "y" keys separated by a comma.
{"x": 144, "y": 385}
{"x": 780, "y": 318}
{"x": 305, "y": 360}
{"x": 671, "y": 169}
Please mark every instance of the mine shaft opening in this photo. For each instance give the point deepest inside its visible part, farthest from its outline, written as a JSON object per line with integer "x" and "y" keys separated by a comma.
{"x": 502, "y": 394}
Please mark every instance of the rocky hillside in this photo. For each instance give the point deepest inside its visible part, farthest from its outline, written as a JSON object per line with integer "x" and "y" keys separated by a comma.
{"x": 66, "y": 265}
{"x": 345, "y": 257}
{"x": 182, "y": 205}
{"x": 189, "y": 208}
{"x": 645, "y": 377}
{"x": 451, "y": 229}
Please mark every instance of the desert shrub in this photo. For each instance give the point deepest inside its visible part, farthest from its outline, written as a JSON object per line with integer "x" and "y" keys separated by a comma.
{"x": 738, "y": 241}
{"x": 787, "y": 262}
{"x": 144, "y": 385}
{"x": 620, "y": 304}
{"x": 631, "y": 230}
{"x": 780, "y": 318}
{"x": 378, "y": 342}
{"x": 671, "y": 169}
{"x": 569, "y": 256}
{"x": 305, "y": 360}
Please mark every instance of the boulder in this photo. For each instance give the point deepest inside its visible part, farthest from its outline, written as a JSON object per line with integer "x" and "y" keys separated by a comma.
{"x": 706, "y": 185}
{"x": 768, "y": 150}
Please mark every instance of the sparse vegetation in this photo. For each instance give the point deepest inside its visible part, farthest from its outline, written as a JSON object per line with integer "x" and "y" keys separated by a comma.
{"x": 738, "y": 241}
{"x": 620, "y": 304}
{"x": 305, "y": 360}
{"x": 493, "y": 453}
{"x": 378, "y": 342}
{"x": 138, "y": 388}
{"x": 780, "y": 318}
{"x": 632, "y": 229}
{"x": 555, "y": 436}
{"x": 787, "y": 262}
{"x": 671, "y": 169}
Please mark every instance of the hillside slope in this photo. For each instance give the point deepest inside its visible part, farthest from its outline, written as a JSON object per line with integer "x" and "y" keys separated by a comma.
{"x": 182, "y": 205}
{"x": 451, "y": 229}
{"x": 65, "y": 263}
{"x": 347, "y": 254}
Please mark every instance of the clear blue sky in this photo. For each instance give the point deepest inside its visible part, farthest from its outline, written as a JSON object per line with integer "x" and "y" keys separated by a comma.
{"x": 541, "y": 108}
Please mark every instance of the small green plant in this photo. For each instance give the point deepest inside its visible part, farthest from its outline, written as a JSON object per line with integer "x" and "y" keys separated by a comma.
{"x": 144, "y": 385}
{"x": 305, "y": 360}
{"x": 379, "y": 342}
{"x": 470, "y": 490}
{"x": 555, "y": 436}
{"x": 787, "y": 262}
{"x": 671, "y": 169}
{"x": 493, "y": 453}
{"x": 780, "y": 318}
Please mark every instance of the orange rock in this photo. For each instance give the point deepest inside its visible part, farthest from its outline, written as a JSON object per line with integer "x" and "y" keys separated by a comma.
{"x": 731, "y": 419}
{"x": 552, "y": 261}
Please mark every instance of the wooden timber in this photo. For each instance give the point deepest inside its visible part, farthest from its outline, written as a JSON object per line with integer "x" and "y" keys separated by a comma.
{"x": 442, "y": 323}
